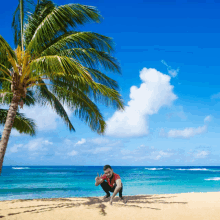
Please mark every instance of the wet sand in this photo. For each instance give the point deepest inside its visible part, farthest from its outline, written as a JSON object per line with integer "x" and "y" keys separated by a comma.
{"x": 185, "y": 206}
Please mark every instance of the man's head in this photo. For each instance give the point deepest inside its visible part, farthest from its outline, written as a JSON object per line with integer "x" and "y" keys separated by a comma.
{"x": 108, "y": 171}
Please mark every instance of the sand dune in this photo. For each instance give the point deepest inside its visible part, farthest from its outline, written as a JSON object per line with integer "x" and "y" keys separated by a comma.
{"x": 186, "y": 206}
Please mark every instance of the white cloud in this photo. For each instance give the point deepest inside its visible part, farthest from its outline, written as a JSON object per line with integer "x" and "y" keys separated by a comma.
{"x": 202, "y": 154}
{"x": 82, "y": 141}
{"x": 37, "y": 144}
{"x": 72, "y": 153}
{"x": 15, "y": 148}
{"x": 208, "y": 118}
{"x": 126, "y": 151}
{"x": 100, "y": 141}
{"x": 127, "y": 157}
{"x": 45, "y": 117}
{"x": 145, "y": 153}
{"x": 156, "y": 155}
{"x": 33, "y": 145}
{"x": 46, "y": 142}
{"x": 101, "y": 150}
{"x": 172, "y": 72}
{"x": 154, "y": 93}
{"x": 187, "y": 132}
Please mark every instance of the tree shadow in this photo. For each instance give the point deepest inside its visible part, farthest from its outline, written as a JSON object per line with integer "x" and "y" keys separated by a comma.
{"x": 140, "y": 201}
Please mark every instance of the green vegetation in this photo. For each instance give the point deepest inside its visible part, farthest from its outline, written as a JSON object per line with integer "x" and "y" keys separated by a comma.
{"x": 59, "y": 64}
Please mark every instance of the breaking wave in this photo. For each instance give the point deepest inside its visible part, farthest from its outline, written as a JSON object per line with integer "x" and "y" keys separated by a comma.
{"x": 20, "y": 168}
{"x": 214, "y": 178}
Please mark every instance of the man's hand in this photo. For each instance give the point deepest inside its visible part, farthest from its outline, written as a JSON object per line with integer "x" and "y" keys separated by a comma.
{"x": 98, "y": 179}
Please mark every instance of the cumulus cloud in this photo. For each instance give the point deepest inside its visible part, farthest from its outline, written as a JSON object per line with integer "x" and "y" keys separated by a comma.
{"x": 89, "y": 147}
{"x": 201, "y": 154}
{"x": 72, "y": 153}
{"x": 187, "y": 132}
{"x": 15, "y": 148}
{"x": 45, "y": 118}
{"x": 172, "y": 72}
{"x": 145, "y": 153}
{"x": 154, "y": 93}
{"x": 100, "y": 141}
{"x": 82, "y": 141}
{"x": 38, "y": 144}
{"x": 46, "y": 142}
{"x": 101, "y": 150}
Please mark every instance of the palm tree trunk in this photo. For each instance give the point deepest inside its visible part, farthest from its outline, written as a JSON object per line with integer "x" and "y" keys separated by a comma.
{"x": 8, "y": 126}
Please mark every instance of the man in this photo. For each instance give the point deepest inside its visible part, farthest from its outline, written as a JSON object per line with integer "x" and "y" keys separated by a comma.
{"x": 113, "y": 183}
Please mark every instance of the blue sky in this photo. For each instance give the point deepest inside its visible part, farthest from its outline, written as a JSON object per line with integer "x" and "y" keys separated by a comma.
{"x": 169, "y": 56}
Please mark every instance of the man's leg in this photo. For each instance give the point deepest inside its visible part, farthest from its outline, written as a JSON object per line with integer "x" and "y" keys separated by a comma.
{"x": 106, "y": 188}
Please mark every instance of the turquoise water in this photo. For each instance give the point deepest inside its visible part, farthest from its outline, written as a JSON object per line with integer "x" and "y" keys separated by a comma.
{"x": 79, "y": 181}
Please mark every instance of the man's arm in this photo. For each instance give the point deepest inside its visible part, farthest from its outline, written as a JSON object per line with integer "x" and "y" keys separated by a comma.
{"x": 117, "y": 189}
{"x": 98, "y": 180}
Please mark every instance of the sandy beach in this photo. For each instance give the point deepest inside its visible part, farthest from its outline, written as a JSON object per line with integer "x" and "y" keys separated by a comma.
{"x": 187, "y": 206}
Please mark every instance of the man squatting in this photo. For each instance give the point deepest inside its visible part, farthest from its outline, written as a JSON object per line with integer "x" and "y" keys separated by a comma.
{"x": 113, "y": 183}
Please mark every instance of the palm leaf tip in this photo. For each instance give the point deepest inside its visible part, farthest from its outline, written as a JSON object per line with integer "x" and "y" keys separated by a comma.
{"x": 21, "y": 123}
{"x": 55, "y": 103}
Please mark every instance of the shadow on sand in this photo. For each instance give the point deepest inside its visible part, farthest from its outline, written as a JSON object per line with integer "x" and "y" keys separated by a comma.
{"x": 129, "y": 201}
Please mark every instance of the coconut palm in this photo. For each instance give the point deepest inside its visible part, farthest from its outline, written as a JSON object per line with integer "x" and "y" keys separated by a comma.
{"x": 61, "y": 64}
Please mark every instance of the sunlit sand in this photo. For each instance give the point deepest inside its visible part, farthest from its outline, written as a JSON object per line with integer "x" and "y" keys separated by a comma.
{"x": 189, "y": 206}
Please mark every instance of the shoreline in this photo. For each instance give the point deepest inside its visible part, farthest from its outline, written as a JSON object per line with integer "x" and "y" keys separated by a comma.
{"x": 184, "y": 206}
{"x": 86, "y": 197}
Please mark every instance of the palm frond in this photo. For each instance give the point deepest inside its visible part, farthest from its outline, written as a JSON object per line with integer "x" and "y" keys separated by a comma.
{"x": 46, "y": 96}
{"x": 21, "y": 123}
{"x": 5, "y": 49}
{"x": 59, "y": 65}
{"x": 58, "y": 20}
{"x": 103, "y": 79}
{"x": 82, "y": 106}
{"x": 100, "y": 93}
{"x": 7, "y": 95}
{"x": 73, "y": 39}
{"x": 16, "y": 26}
{"x": 4, "y": 71}
{"x": 20, "y": 16}
{"x": 91, "y": 58}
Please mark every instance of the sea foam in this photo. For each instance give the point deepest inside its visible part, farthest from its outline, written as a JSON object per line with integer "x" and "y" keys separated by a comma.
{"x": 20, "y": 168}
{"x": 194, "y": 169}
{"x": 153, "y": 168}
{"x": 214, "y": 178}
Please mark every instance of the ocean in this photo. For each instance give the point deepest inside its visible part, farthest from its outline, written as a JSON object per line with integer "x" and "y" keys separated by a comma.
{"x": 32, "y": 182}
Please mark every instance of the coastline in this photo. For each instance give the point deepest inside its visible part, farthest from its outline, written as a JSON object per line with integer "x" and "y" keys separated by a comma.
{"x": 189, "y": 206}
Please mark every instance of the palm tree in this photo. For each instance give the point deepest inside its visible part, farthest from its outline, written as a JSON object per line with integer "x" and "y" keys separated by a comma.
{"x": 61, "y": 64}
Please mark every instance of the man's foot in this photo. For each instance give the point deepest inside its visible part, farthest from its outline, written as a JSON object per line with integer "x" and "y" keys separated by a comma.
{"x": 106, "y": 196}
{"x": 123, "y": 199}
